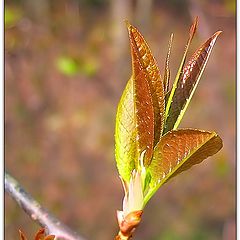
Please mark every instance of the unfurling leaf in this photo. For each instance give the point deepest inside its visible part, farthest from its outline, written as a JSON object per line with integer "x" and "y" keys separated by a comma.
{"x": 169, "y": 98}
{"x": 149, "y": 150}
{"x": 125, "y": 133}
{"x": 143, "y": 56}
{"x": 187, "y": 83}
{"x": 143, "y": 104}
{"x": 167, "y": 70}
{"x": 140, "y": 113}
{"x": 179, "y": 150}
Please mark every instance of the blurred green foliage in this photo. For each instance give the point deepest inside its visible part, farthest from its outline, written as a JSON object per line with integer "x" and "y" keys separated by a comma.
{"x": 71, "y": 67}
{"x": 230, "y": 5}
{"x": 11, "y": 16}
{"x": 222, "y": 167}
{"x": 169, "y": 235}
{"x": 67, "y": 66}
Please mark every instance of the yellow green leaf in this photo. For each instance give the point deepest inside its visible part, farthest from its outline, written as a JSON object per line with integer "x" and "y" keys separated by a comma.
{"x": 125, "y": 133}
{"x": 139, "y": 120}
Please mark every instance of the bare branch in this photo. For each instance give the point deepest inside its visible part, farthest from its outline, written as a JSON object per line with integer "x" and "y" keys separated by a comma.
{"x": 37, "y": 213}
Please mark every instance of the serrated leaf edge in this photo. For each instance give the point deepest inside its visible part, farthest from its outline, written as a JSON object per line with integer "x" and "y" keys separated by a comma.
{"x": 180, "y": 116}
{"x": 157, "y": 186}
{"x": 191, "y": 35}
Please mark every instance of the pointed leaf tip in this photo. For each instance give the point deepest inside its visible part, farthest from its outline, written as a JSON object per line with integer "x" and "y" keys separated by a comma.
{"x": 193, "y": 28}
{"x": 166, "y": 77}
{"x": 140, "y": 113}
{"x": 145, "y": 64}
{"x": 178, "y": 151}
{"x": 216, "y": 34}
{"x": 127, "y": 23}
{"x": 21, "y": 235}
{"x": 180, "y": 69}
{"x": 187, "y": 82}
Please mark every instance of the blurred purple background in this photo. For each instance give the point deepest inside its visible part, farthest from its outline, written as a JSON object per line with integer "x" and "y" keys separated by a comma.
{"x": 66, "y": 65}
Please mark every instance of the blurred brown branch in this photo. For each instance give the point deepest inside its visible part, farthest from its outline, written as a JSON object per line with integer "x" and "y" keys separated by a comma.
{"x": 37, "y": 212}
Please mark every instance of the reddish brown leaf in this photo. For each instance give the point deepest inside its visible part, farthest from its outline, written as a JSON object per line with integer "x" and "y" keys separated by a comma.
{"x": 49, "y": 237}
{"x": 40, "y": 234}
{"x": 187, "y": 83}
{"x": 148, "y": 64}
{"x": 169, "y": 97}
{"x": 179, "y": 150}
{"x": 21, "y": 235}
{"x": 167, "y": 70}
{"x": 143, "y": 105}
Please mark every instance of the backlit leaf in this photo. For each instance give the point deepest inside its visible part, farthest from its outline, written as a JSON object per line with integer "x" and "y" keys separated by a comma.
{"x": 179, "y": 73}
{"x": 125, "y": 133}
{"x": 148, "y": 63}
{"x": 187, "y": 83}
{"x": 139, "y": 120}
{"x": 167, "y": 70}
{"x": 179, "y": 150}
{"x": 143, "y": 104}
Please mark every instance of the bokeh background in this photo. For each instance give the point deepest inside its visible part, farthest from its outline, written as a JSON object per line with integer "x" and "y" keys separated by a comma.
{"x": 66, "y": 65}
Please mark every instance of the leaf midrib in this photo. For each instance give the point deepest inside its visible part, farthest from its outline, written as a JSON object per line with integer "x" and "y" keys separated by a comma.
{"x": 151, "y": 193}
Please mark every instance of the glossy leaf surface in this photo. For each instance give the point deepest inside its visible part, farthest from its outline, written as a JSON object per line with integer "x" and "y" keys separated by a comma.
{"x": 148, "y": 63}
{"x": 125, "y": 133}
{"x": 140, "y": 119}
{"x": 179, "y": 150}
{"x": 180, "y": 70}
{"x": 187, "y": 83}
{"x": 142, "y": 102}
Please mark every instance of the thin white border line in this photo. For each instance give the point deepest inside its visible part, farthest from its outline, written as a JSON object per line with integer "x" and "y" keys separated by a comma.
{"x": 2, "y": 119}
{"x": 238, "y": 131}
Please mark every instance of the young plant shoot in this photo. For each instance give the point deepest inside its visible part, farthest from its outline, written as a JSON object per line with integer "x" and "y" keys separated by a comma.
{"x": 149, "y": 147}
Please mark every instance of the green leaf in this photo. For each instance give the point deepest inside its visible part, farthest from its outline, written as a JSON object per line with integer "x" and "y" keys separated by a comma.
{"x": 11, "y": 16}
{"x": 187, "y": 83}
{"x": 68, "y": 66}
{"x": 179, "y": 150}
{"x": 179, "y": 73}
{"x": 140, "y": 119}
{"x": 125, "y": 133}
{"x": 144, "y": 57}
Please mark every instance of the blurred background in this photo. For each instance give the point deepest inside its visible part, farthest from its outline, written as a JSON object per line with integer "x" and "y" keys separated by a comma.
{"x": 66, "y": 65}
